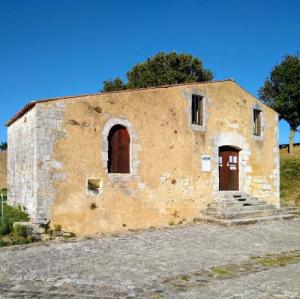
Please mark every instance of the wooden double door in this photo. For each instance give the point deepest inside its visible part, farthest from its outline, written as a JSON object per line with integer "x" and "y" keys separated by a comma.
{"x": 228, "y": 168}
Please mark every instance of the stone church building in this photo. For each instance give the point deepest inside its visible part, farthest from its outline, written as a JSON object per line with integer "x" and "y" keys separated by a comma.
{"x": 140, "y": 158}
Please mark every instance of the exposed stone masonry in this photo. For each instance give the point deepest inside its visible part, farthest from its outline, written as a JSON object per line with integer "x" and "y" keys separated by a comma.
{"x": 21, "y": 162}
{"x": 32, "y": 171}
{"x": 49, "y": 129}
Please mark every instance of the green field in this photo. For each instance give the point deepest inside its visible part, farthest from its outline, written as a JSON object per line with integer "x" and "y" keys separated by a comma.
{"x": 290, "y": 176}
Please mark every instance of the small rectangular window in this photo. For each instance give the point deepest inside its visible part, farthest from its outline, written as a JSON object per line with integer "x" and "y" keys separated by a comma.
{"x": 257, "y": 122}
{"x": 197, "y": 110}
{"x": 94, "y": 185}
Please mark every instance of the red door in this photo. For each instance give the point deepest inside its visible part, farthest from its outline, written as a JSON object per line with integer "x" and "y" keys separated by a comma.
{"x": 118, "y": 150}
{"x": 228, "y": 168}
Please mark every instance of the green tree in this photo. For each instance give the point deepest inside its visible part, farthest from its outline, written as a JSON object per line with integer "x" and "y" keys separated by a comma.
{"x": 282, "y": 92}
{"x": 3, "y": 146}
{"x": 162, "y": 69}
{"x": 114, "y": 85}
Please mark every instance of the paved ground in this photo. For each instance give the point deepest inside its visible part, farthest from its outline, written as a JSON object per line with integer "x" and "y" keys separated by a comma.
{"x": 190, "y": 261}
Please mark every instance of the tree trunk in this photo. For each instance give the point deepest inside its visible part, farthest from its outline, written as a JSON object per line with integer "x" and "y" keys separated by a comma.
{"x": 291, "y": 143}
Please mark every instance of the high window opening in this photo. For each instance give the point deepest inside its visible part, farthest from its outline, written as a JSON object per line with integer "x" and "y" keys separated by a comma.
{"x": 257, "y": 122}
{"x": 197, "y": 110}
{"x": 118, "y": 150}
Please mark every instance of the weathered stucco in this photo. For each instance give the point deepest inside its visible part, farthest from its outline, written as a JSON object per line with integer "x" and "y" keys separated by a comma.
{"x": 166, "y": 183}
{"x": 3, "y": 169}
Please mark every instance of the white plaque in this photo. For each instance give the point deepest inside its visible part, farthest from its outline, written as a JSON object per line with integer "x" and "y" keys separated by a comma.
{"x": 205, "y": 163}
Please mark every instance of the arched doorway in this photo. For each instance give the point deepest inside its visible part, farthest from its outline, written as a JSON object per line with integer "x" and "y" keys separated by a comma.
{"x": 228, "y": 168}
{"x": 118, "y": 150}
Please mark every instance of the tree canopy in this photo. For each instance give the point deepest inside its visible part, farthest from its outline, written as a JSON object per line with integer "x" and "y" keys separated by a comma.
{"x": 162, "y": 69}
{"x": 3, "y": 146}
{"x": 281, "y": 91}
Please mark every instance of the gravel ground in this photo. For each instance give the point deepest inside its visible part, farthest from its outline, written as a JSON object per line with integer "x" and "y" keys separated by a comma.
{"x": 144, "y": 264}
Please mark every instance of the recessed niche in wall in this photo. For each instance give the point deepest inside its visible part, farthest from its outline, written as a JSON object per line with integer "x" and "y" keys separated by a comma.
{"x": 94, "y": 186}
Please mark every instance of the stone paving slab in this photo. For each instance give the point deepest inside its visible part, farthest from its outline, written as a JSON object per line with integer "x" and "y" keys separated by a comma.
{"x": 278, "y": 283}
{"x": 135, "y": 265}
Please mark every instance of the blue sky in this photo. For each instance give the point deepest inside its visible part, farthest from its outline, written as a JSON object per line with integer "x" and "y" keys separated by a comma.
{"x": 56, "y": 48}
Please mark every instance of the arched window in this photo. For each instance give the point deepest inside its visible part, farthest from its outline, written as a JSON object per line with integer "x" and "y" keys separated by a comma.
{"x": 118, "y": 150}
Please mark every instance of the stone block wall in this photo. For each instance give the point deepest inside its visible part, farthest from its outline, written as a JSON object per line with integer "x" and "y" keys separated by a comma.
{"x": 21, "y": 162}
{"x": 48, "y": 171}
{"x": 31, "y": 169}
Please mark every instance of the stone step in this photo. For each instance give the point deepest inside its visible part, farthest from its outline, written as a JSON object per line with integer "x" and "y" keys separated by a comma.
{"x": 292, "y": 210}
{"x": 218, "y": 209}
{"x": 289, "y": 204}
{"x": 238, "y": 204}
{"x": 235, "y": 197}
{"x": 231, "y": 194}
{"x": 241, "y": 199}
{"x": 244, "y": 214}
{"x": 245, "y": 221}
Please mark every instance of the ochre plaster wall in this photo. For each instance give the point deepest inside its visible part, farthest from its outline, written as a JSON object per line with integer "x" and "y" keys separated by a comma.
{"x": 3, "y": 169}
{"x": 169, "y": 184}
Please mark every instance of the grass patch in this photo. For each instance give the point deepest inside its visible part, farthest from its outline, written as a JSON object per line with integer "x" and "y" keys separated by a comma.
{"x": 290, "y": 176}
{"x": 185, "y": 277}
{"x": 11, "y": 215}
{"x": 221, "y": 271}
{"x": 8, "y": 236}
{"x": 277, "y": 261}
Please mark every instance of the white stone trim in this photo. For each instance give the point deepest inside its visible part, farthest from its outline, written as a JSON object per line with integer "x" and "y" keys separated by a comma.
{"x": 245, "y": 171}
{"x": 262, "y": 122}
{"x": 134, "y": 148}
{"x": 187, "y": 94}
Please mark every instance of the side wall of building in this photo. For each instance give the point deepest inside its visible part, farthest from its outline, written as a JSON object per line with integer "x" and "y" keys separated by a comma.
{"x": 21, "y": 163}
{"x": 49, "y": 130}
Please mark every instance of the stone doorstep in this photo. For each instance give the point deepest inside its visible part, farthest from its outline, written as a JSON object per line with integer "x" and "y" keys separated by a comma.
{"x": 232, "y": 194}
{"x": 243, "y": 214}
{"x": 291, "y": 209}
{"x": 236, "y": 222}
{"x": 289, "y": 204}
{"x": 238, "y": 203}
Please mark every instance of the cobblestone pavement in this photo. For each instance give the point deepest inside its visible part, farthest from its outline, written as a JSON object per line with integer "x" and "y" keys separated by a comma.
{"x": 191, "y": 261}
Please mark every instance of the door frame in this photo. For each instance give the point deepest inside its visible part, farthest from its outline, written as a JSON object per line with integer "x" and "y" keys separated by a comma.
{"x": 237, "y": 150}
{"x": 245, "y": 170}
